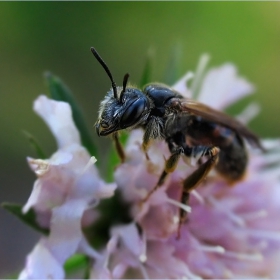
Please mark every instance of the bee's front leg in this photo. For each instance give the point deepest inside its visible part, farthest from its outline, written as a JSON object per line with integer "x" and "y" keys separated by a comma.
{"x": 152, "y": 131}
{"x": 193, "y": 181}
{"x": 118, "y": 146}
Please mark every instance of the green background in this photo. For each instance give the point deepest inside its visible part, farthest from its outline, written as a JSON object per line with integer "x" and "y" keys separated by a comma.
{"x": 40, "y": 36}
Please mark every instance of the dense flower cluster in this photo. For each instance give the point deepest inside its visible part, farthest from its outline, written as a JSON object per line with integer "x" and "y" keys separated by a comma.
{"x": 230, "y": 231}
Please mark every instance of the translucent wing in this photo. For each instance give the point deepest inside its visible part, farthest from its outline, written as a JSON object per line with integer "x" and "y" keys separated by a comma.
{"x": 195, "y": 108}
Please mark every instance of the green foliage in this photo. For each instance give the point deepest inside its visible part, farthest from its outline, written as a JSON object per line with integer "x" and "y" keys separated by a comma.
{"x": 59, "y": 91}
{"x": 75, "y": 263}
{"x": 147, "y": 73}
{"x": 199, "y": 74}
{"x": 35, "y": 145}
{"x": 113, "y": 211}
{"x": 173, "y": 66}
{"x": 28, "y": 218}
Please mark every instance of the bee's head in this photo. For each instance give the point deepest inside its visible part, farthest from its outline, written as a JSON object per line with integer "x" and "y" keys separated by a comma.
{"x": 122, "y": 107}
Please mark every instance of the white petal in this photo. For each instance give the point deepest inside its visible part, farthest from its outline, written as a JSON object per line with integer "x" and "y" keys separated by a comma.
{"x": 181, "y": 85}
{"x": 41, "y": 264}
{"x": 249, "y": 113}
{"x": 51, "y": 189}
{"x": 112, "y": 244}
{"x": 86, "y": 249}
{"x": 58, "y": 116}
{"x": 107, "y": 190}
{"x": 61, "y": 157}
{"x": 119, "y": 270}
{"x": 65, "y": 232}
{"x": 90, "y": 187}
{"x": 33, "y": 199}
{"x": 222, "y": 87}
{"x": 131, "y": 238}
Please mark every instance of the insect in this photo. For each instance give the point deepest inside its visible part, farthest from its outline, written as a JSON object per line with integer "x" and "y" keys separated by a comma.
{"x": 190, "y": 128}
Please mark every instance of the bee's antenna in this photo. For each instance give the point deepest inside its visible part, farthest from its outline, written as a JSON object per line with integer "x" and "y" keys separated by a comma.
{"x": 103, "y": 64}
{"x": 125, "y": 79}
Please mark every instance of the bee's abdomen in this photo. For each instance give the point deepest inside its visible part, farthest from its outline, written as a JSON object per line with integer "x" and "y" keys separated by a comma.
{"x": 233, "y": 157}
{"x": 233, "y": 160}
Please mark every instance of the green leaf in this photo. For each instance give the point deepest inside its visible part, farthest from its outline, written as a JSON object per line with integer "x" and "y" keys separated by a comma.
{"x": 114, "y": 211}
{"x": 147, "y": 72}
{"x": 34, "y": 143}
{"x": 13, "y": 275}
{"x": 28, "y": 218}
{"x": 76, "y": 262}
{"x": 59, "y": 91}
{"x": 173, "y": 65}
{"x": 199, "y": 74}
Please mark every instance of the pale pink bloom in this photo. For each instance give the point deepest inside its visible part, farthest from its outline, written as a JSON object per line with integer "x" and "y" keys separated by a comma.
{"x": 222, "y": 87}
{"x": 67, "y": 188}
{"x": 231, "y": 232}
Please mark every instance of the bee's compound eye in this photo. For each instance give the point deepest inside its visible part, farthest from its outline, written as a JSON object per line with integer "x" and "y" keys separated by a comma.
{"x": 133, "y": 113}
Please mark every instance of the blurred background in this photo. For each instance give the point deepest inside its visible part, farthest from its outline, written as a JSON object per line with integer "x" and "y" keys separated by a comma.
{"x": 57, "y": 36}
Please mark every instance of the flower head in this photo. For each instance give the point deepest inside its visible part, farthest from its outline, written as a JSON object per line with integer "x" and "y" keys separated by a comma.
{"x": 231, "y": 231}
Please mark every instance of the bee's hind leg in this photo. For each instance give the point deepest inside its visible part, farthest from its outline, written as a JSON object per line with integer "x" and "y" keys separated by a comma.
{"x": 193, "y": 181}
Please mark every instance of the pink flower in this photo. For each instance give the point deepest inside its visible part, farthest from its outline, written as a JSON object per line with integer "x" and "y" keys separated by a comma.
{"x": 231, "y": 232}
{"x": 67, "y": 188}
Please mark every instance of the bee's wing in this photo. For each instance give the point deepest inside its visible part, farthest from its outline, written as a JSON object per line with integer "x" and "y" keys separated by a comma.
{"x": 212, "y": 115}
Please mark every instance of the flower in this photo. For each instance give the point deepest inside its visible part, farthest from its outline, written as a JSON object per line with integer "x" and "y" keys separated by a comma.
{"x": 231, "y": 232}
{"x": 67, "y": 188}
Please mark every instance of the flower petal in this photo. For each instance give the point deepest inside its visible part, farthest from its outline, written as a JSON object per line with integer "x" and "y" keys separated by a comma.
{"x": 41, "y": 264}
{"x": 65, "y": 231}
{"x": 131, "y": 238}
{"x": 181, "y": 85}
{"x": 58, "y": 117}
{"x": 222, "y": 87}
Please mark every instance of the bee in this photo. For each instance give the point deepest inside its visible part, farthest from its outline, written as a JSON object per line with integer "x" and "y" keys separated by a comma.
{"x": 190, "y": 129}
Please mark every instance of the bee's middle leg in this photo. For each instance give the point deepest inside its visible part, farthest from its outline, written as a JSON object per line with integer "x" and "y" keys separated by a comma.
{"x": 193, "y": 181}
{"x": 170, "y": 166}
